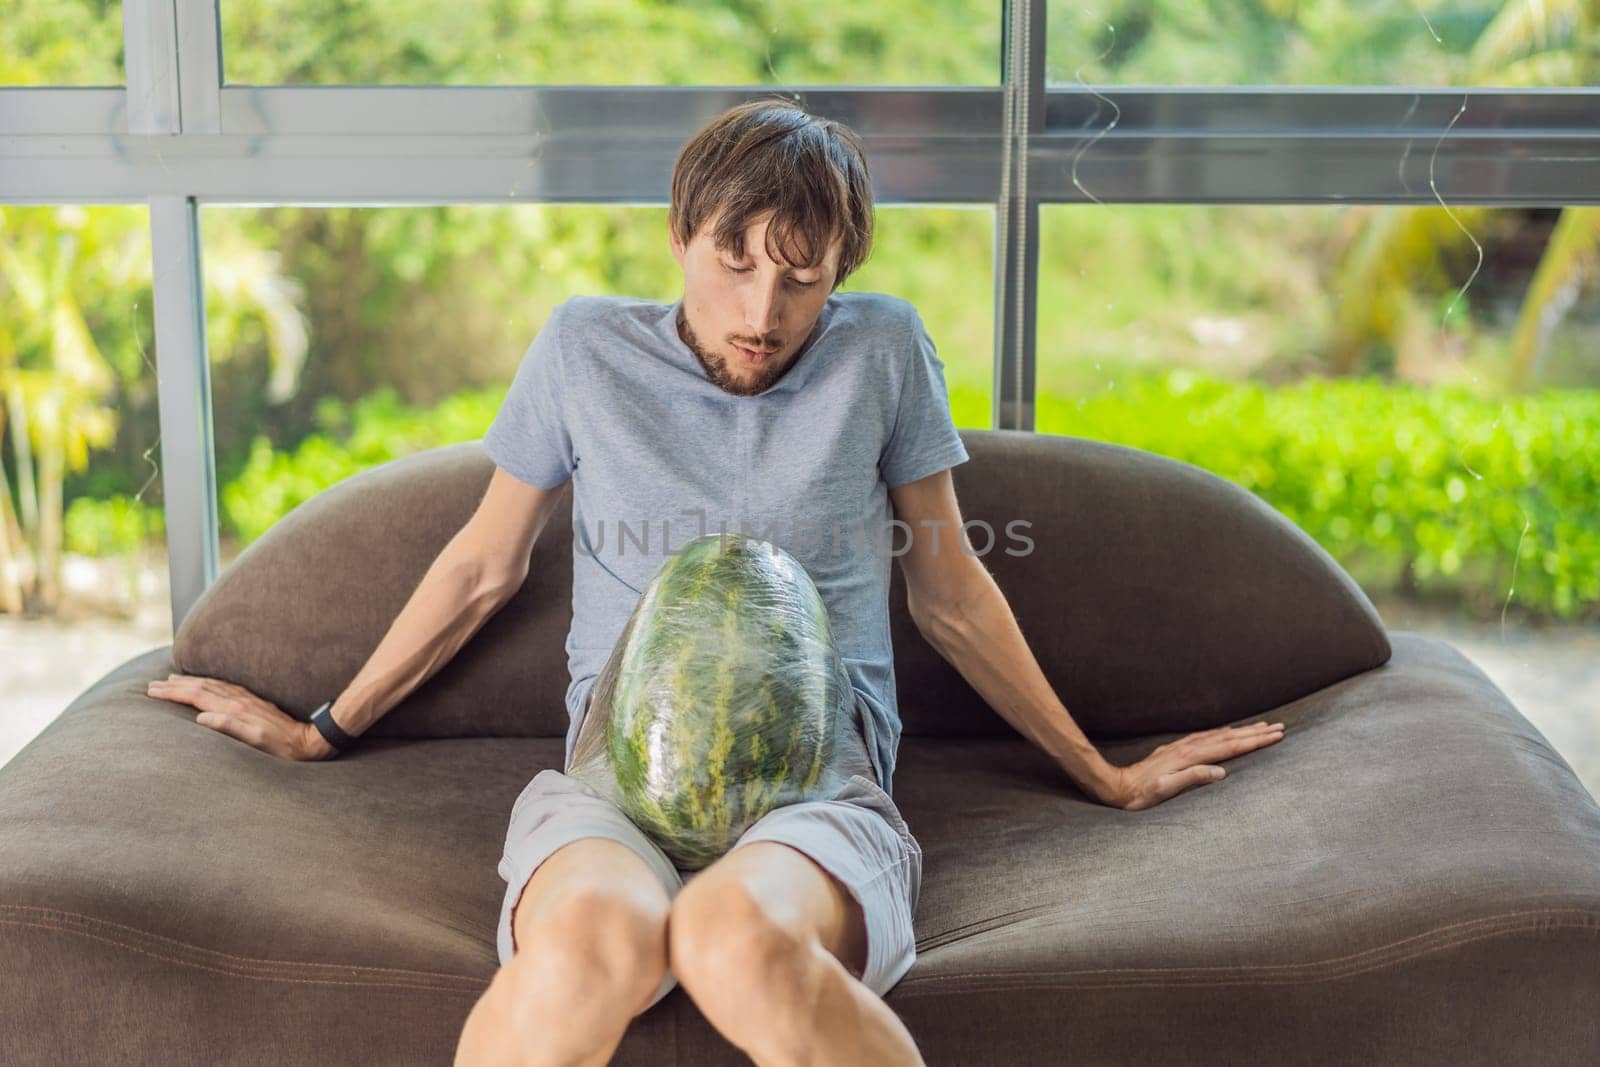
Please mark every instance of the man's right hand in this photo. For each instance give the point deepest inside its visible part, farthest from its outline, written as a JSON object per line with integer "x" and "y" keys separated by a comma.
{"x": 1184, "y": 764}
{"x": 234, "y": 710}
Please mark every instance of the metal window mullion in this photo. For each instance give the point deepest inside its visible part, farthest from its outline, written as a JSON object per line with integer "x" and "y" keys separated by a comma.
{"x": 162, "y": 40}
{"x": 456, "y": 144}
{"x": 155, "y": 102}
{"x": 150, "y": 63}
{"x": 1366, "y": 145}
{"x": 1016, "y": 259}
{"x": 199, "y": 65}
{"x": 183, "y": 373}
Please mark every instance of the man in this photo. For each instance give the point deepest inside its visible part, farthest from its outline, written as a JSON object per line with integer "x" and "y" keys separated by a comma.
{"x": 763, "y": 401}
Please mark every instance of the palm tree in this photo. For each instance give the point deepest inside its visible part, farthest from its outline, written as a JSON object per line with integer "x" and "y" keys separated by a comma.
{"x": 54, "y": 380}
{"x": 1571, "y": 257}
{"x": 58, "y": 388}
{"x": 1546, "y": 42}
{"x": 1529, "y": 42}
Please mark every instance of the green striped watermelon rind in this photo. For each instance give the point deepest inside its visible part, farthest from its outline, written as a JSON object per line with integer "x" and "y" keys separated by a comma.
{"x": 724, "y": 698}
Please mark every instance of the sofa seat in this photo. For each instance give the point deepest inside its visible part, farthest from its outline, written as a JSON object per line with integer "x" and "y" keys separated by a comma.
{"x": 1412, "y": 875}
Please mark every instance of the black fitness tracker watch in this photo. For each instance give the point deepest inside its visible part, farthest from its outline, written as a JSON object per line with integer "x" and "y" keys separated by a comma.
{"x": 322, "y": 719}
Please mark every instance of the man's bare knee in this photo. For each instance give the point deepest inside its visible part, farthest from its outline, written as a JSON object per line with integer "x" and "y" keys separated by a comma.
{"x": 598, "y": 928}
{"x": 727, "y": 943}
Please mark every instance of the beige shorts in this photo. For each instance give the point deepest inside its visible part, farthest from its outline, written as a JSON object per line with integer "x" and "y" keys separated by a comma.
{"x": 857, "y": 835}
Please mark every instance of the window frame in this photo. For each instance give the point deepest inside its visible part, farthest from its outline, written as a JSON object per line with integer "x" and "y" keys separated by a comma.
{"x": 174, "y": 138}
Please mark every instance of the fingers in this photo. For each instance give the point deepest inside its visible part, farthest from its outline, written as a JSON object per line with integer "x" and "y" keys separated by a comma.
{"x": 1226, "y": 741}
{"x": 1258, "y": 734}
{"x": 1218, "y": 731}
{"x": 1245, "y": 741}
{"x": 1192, "y": 760}
{"x": 1263, "y": 726}
{"x": 211, "y": 685}
{"x": 1189, "y": 777}
{"x": 182, "y": 688}
{"x": 1207, "y": 748}
{"x": 217, "y": 706}
{"x": 247, "y": 730}
{"x": 228, "y": 709}
{"x": 1172, "y": 783}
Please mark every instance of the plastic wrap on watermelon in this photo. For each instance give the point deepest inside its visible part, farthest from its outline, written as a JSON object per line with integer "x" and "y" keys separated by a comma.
{"x": 724, "y": 698}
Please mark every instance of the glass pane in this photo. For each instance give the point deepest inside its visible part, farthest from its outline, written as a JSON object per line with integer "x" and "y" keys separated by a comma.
{"x": 345, "y": 337}
{"x": 628, "y": 42}
{"x": 83, "y": 573}
{"x": 1430, "y": 418}
{"x": 928, "y": 255}
{"x": 1324, "y": 42}
{"x": 61, "y": 42}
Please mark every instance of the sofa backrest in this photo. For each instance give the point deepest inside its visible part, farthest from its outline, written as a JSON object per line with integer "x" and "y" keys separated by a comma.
{"x": 1156, "y": 597}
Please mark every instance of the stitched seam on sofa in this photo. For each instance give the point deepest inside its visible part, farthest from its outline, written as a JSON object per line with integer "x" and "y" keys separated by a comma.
{"x": 1157, "y": 984}
{"x": 1330, "y": 966}
{"x": 982, "y": 926}
{"x": 90, "y": 920}
{"x": 1311, "y": 963}
{"x": 241, "y": 974}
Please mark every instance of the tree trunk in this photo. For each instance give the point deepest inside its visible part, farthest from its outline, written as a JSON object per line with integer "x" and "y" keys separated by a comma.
{"x": 10, "y": 535}
{"x": 52, "y": 471}
{"x": 22, "y": 448}
{"x": 1554, "y": 289}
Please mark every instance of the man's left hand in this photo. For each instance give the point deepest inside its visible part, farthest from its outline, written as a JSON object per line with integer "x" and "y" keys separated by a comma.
{"x": 1180, "y": 765}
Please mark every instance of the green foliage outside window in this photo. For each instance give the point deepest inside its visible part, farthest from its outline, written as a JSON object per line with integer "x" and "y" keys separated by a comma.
{"x": 310, "y": 310}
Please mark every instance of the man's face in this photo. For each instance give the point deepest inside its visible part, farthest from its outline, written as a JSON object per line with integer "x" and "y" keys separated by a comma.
{"x": 748, "y": 316}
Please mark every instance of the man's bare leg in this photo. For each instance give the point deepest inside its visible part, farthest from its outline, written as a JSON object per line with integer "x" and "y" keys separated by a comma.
{"x": 591, "y": 949}
{"x": 771, "y": 947}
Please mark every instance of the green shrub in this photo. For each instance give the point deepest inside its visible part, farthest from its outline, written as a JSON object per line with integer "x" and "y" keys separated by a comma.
{"x": 375, "y": 429}
{"x": 1429, "y": 492}
{"x": 1426, "y": 490}
{"x": 113, "y": 526}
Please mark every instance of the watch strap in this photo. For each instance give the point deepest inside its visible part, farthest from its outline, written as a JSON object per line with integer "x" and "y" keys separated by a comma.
{"x": 322, "y": 719}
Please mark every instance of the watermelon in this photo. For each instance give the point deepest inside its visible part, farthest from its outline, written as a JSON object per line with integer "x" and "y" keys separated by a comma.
{"x": 723, "y": 698}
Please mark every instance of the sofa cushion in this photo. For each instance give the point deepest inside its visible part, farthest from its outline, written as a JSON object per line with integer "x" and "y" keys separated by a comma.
{"x": 1157, "y": 596}
{"x": 1411, "y": 875}
{"x": 302, "y": 608}
{"x": 1136, "y": 560}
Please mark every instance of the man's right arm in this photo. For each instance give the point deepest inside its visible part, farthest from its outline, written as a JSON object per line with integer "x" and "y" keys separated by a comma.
{"x": 475, "y": 575}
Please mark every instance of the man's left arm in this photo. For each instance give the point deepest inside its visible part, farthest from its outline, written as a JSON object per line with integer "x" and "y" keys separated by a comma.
{"x": 961, "y": 612}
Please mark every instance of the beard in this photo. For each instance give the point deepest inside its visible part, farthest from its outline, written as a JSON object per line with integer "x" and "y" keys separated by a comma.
{"x": 716, "y": 366}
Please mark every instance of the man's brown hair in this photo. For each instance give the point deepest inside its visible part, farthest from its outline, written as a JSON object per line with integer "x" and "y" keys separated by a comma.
{"x": 771, "y": 155}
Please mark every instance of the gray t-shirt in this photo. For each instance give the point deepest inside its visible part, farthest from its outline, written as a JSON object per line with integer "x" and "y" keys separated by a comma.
{"x": 609, "y": 395}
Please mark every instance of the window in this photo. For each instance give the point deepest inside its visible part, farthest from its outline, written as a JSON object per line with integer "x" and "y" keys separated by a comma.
{"x": 640, "y": 42}
{"x": 344, "y": 337}
{"x": 61, "y": 42}
{"x": 1148, "y": 222}
{"x": 83, "y": 559}
{"x": 1346, "y": 42}
{"x": 1429, "y": 420}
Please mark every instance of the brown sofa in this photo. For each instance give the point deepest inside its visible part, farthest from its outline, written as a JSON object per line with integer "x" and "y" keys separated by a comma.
{"x": 1412, "y": 875}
